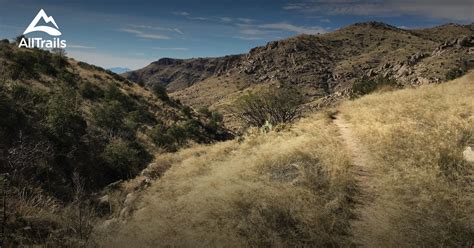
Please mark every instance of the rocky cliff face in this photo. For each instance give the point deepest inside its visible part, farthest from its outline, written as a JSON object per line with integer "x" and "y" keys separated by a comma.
{"x": 321, "y": 65}
{"x": 177, "y": 74}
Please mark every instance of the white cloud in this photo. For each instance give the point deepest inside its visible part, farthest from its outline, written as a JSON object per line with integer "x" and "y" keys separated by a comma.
{"x": 79, "y": 46}
{"x": 177, "y": 30}
{"x": 293, "y": 28}
{"x": 142, "y": 34}
{"x": 138, "y": 26}
{"x": 292, "y": 6}
{"x": 248, "y": 37}
{"x": 107, "y": 60}
{"x": 199, "y": 18}
{"x": 271, "y": 31}
{"x": 458, "y": 10}
{"x": 221, "y": 19}
{"x": 171, "y": 48}
{"x": 225, "y": 19}
{"x": 181, "y": 13}
{"x": 245, "y": 20}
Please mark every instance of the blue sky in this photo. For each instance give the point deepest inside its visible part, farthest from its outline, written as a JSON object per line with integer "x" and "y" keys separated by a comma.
{"x": 134, "y": 33}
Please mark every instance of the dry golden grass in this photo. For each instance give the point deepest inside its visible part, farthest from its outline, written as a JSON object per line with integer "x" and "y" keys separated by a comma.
{"x": 416, "y": 138}
{"x": 296, "y": 187}
{"x": 283, "y": 189}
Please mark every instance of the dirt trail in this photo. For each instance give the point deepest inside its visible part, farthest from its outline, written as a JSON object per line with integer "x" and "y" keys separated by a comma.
{"x": 365, "y": 179}
{"x": 359, "y": 155}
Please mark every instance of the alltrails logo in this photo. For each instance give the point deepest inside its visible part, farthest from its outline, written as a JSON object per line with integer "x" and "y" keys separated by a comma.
{"x": 40, "y": 42}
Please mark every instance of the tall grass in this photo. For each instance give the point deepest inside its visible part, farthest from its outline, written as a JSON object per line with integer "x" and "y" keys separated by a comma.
{"x": 416, "y": 138}
{"x": 290, "y": 188}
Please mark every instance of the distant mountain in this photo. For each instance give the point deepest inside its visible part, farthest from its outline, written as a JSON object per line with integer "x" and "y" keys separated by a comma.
{"x": 119, "y": 70}
{"x": 320, "y": 65}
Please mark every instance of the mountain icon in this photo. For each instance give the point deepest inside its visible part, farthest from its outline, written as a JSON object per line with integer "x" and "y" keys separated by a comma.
{"x": 47, "y": 19}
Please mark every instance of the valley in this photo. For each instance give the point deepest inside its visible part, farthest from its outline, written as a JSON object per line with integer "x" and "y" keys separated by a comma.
{"x": 359, "y": 137}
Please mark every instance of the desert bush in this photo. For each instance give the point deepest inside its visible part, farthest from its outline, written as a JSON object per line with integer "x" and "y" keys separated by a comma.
{"x": 213, "y": 116}
{"x": 205, "y": 111}
{"x": 161, "y": 138}
{"x": 63, "y": 119}
{"x": 366, "y": 85}
{"x": 68, "y": 77}
{"x": 160, "y": 92}
{"x": 178, "y": 133}
{"x": 90, "y": 91}
{"x": 109, "y": 116}
{"x": 274, "y": 105}
{"x": 454, "y": 73}
{"x": 113, "y": 93}
{"x": 121, "y": 159}
{"x": 43, "y": 63}
{"x": 23, "y": 66}
{"x": 187, "y": 111}
{"x": 10, "y": 116}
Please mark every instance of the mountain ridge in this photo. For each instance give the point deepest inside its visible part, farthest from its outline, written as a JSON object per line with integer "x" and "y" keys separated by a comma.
{"x": 320, "y": 64}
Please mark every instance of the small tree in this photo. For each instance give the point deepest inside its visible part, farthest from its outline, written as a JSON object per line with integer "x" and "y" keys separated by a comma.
{"x": 274, "y": 105}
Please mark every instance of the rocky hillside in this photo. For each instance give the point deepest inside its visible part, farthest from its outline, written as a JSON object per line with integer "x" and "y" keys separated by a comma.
{"x": 178, "y": 74}
{"x": 68, "y": 129}
{"x": 320, "y": 64}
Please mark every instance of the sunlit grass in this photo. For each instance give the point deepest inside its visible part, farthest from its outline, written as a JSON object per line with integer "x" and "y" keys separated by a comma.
{"x": 416, "y": 138}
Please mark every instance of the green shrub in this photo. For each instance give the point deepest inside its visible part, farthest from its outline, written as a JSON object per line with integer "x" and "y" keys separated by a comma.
{"x": 217, "y": 117}
{"x": 160, "y": 92}
{"x": 141, "y": 115}
{"x": 161, "y": 138}
{"x": 193, "y": 130}
{"x": 366, "y": 85}
{"x": 187, "y": 111}
{"x": 109, "y": 116}
{"x": 176, "y": 135}
{"x": 10, "y": 117}
{"x": 68, "y": 77}
{"x": 63, "y": 120}
{"x": 23, "y": 66}
{"x": 113, "y": 93}
{"x": 274, "y": 105}
{"x": 43, "y": 63}
{"x": 454, "y": 73}
{"x": 122, "y": 160}
{"x": 90, "y": 91}
{"x": 205, "y": 111}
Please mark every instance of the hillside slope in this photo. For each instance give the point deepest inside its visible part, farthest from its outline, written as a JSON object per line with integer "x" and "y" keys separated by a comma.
{"x": 68, "y": 129}
{"x": 319, "y": 65}
{"x": 418, "y": 141}
{"x": 297, "y": 187}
